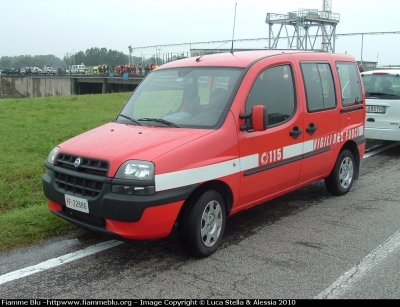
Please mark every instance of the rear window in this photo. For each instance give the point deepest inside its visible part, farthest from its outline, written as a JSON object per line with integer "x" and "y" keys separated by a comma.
{"x": 383, "y": 85}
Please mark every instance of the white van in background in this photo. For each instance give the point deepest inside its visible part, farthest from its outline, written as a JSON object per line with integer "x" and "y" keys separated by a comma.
{"x": 78, "y": 69}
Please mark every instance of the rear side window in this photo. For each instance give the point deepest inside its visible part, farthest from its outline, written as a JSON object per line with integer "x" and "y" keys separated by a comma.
{"x": 274, "y": 89}
{"x": 319, "y": 86}
{"x": 350, "y": 83}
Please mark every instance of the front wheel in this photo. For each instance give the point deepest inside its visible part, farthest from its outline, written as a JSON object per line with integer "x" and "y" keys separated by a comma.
{"x": 341, "y": 178}
{"x": 202, "y": 224}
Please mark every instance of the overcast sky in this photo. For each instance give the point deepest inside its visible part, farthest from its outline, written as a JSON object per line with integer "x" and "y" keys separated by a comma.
{"x": 60, "y": 27}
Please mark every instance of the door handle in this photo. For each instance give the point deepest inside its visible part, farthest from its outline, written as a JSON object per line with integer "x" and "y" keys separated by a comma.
{"x": 295, "y": 132}
{"x": 311, "y": 128}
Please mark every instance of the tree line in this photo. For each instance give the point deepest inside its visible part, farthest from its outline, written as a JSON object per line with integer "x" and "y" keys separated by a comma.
{"x": 90, "y": 57}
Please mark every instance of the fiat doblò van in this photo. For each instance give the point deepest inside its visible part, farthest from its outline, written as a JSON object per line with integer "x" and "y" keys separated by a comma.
{"x": 205, "y": 137}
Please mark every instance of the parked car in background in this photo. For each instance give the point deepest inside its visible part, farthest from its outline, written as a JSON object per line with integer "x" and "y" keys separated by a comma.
{"x": 22, "y": 70}
{"x": 49, "y": 71}
{"x": 9, "y": 71}
{"x": 78, "y": 69}
{"x": 36, "y": 71}
{"x": 382, "y": 90}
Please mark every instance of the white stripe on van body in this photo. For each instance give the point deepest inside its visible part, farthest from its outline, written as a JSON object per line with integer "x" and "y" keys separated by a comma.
{"x": 205, "y": 173}
{"x": 308, "y": 146}
{"x": 292, "y": 150}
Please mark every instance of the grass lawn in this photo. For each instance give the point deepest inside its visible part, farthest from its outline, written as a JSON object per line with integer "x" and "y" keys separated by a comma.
{"x": 30, "y": 128}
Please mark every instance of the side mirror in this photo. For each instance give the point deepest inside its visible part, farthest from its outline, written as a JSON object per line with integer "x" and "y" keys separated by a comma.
{"x": 257, "y": 120}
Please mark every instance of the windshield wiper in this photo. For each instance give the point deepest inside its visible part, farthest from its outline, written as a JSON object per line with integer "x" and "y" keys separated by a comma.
{"x": 379, "y": 94}
{"x": 373, "y": 93}
{"x": 159, "y": 120}
{"x": 130, "y": 118}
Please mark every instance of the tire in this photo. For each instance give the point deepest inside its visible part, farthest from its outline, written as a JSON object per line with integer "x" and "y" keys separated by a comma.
{"x": 202, "y": 224}
{"x": 341, "y": 178}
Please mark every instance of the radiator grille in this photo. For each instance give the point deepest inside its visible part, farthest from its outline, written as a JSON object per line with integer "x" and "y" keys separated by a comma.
{"x": 79, "y": 183}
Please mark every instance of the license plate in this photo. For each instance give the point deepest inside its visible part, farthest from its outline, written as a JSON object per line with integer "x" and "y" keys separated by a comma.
{"x": 376, "y": 109}
{"x": 76, "y": 203}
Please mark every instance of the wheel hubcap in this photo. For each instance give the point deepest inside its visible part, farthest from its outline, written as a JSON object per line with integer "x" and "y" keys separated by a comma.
{"x": 346, "y": 173}
{"x": 211, "y": 223}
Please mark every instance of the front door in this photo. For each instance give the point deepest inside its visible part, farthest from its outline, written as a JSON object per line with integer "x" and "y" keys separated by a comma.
{"x": 272, "y": 157}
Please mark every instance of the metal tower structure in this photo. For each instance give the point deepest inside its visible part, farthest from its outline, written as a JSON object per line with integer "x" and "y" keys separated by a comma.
{"x": 306, "y": 29}
{"x": 326, "y": 5}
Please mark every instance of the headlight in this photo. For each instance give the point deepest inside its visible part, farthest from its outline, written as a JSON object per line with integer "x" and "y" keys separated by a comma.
{"x": 52, "y": 154}
{"x": 136, "y": 171}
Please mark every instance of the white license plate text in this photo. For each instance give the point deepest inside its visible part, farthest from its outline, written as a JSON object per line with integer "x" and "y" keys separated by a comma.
{"x": 375, "y": 109}
{"x": 76, "y": 203}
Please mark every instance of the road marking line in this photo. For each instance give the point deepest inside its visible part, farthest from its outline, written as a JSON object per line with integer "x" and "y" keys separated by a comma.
{"x": 347, "y": 280}
{"x": 51, "y": 263}
{"x": 374, "y": 152}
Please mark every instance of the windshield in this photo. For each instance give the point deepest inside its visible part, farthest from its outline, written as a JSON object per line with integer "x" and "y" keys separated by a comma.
{"x": 182, "y": 97}
{"x": 376, "y": 85}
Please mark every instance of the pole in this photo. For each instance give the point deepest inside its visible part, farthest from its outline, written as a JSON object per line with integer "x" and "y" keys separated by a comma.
{"x": 130, "y": 54}
{"x": 362, "y": 42}
{"x": 1, "y": 88}
{"x": 159, "y": 55}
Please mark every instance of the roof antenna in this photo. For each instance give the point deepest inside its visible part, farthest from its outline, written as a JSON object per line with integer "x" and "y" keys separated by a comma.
{"x": 233, "y": 34}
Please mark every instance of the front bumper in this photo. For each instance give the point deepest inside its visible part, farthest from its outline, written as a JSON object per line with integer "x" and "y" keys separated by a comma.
{"x": 119, "y": 215}
{"x": 156, "y": 222}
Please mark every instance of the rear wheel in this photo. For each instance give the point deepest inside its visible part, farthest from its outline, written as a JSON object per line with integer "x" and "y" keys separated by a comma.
{"x": 341, "y": 179}
{"x": 202, "y": 224}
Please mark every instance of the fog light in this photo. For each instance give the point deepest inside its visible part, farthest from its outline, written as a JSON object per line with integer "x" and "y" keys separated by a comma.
{"x": 131, "y": 190}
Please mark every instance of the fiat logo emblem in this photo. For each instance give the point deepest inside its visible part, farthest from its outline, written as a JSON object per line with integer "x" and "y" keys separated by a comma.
{"x": 78, "y": 162}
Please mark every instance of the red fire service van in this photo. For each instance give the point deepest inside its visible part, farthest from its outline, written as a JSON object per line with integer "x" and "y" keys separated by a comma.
{"x": 205, "y": 137}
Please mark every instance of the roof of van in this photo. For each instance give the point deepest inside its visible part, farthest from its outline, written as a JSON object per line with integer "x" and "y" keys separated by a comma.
{"x": 244, "y": 58}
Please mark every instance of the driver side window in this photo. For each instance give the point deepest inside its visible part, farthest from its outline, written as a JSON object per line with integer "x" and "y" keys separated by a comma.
{"x": 274, "y": 89}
